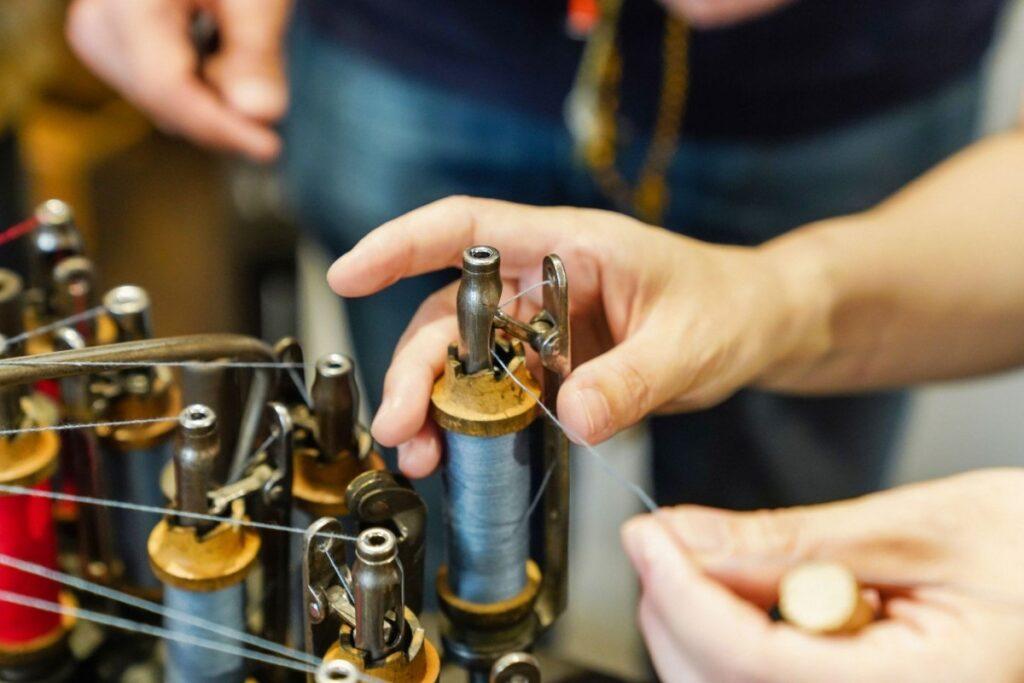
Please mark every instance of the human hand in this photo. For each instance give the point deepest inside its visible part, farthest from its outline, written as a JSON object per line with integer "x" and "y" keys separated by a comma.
{"x": 945, "y": 557}
{"x": 143, "y": 49}
{"x": 661, "y": 322}
{"x": 716, "y": 13}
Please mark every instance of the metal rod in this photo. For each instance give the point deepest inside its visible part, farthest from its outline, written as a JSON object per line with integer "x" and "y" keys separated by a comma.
{"x": 336, "y": 404}
{"x": 377, "y": 588}
{"x": 194, "y": 461}
{"x": 478, "y": 299}
{"x": 198, "y": 347}
{"x": 129, "y": 307}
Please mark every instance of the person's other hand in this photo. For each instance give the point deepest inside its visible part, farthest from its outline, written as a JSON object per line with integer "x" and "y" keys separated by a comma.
{"x": 660, "y": 321}
{"x": 143, "y": 49}
{"x": 945, "y": 557}
{"x": 716, "y": 13}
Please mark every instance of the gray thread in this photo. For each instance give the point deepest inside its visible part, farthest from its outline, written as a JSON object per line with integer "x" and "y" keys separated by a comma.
{"x": 154, "y": 608}
{"x": 300, "y": 385}
{"x": 972, "y": 591}
{"x": 630, "y": 486}
{"x": 155, "y": 631}
{"x": 524, "y": 292}
{"x": 537, "y": 497}
{"x": 34, "y": 361}
{"x": 341, "y": 577}
{"x": 103, "y": 502}
{"x": 87, "y": 425}
{"x": 70, "y": 320}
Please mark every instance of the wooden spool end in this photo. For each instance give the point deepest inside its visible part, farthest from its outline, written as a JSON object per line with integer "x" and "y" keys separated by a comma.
{"x": 823, "y": 597}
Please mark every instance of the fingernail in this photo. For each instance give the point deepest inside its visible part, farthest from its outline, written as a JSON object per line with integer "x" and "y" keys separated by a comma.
{"x": 596, "y": 411}
{"x": 632, "y": 536}
{"x": 647, "y": 544}
{"x": 338, "y": 266}
{"x": 256, "y": 97}
{"x": 380, "y": 419}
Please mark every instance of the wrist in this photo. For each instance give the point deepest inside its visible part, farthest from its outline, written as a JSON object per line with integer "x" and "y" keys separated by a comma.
{"x": 801, "y": 262}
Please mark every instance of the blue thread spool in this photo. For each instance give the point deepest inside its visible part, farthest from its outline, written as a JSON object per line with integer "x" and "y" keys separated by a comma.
{"x": 486, "y": 418}
{"x": 190, "y": 664}
{"x": 488, "y": 484}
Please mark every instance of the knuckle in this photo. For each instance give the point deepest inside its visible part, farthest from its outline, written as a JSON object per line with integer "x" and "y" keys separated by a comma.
{"x": 767, "y": 531}
{"x": 454, "y": 202}
{"x": 634, "y": 392}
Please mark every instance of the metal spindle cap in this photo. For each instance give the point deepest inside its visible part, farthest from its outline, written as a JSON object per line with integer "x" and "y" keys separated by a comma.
{"x": 129, "y": 306}
{"x": 337, "y": 671}
{"x": 377, "y": 544}
{"x": 481, "y": 259}
{"x": 197, "y": 420}
{"x": 335, "y": 398}
{"x": 54, "y": 212}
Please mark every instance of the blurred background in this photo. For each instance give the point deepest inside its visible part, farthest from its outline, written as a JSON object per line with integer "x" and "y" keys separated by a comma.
{"x": 211, "y": 240}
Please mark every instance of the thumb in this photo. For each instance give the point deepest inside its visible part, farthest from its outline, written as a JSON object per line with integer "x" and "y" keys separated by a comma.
{"x": 688, "y": 614}
{"x": 614, "y": 390}
{"x": 249, "y": 69}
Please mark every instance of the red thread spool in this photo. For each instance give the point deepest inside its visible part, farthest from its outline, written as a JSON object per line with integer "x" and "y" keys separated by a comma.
{"x": 27, "y": 533}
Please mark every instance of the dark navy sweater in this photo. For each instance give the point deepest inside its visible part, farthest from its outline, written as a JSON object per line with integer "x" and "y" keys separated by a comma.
{"x": 806, "y": 67}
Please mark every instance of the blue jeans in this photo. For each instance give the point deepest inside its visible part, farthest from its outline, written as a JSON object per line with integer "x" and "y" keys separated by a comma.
{"x": 366, "y": 143}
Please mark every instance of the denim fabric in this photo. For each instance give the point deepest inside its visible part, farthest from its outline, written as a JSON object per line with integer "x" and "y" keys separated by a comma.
{"x": 366, "y": 143}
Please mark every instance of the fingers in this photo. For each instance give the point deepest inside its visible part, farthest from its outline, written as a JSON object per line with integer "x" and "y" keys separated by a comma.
{"x": 879, "y": 537}
{"x": 434, "y": 236}
{"x": 721, "y": 635}
{"x": 248, "y": 69}
{"x": 715, "y": 13}
{"x": 189, "y": 108}
{"x": 616, "y": 389}
{"x": 419, "y": 456}
{"x": 143, "y": 50}
{"x": 419, "y": 358}
{"x": 713, "y": 629}
{"x": 667, "y": 657}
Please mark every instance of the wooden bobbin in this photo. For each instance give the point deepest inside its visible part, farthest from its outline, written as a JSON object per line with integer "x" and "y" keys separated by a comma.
{"x": 823, "y": 597}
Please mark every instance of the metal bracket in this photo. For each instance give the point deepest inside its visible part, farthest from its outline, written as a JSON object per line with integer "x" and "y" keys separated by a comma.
{"x": 323, "y": 557}
{"x": 555, "y": 349}
{"x": 549, "y": 334}
{"x": 380, "y": 498}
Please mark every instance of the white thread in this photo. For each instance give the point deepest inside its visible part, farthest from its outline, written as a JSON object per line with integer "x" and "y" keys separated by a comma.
{"x": 155, "y": 631}
{"x": 145, "y": 605}
{"x": 524, "y": 292}
{"x": 266, "y": 442}
{"x": 86, "y": 425}
{"x": 341, "y": 577}
{"x": 300, "y": 385}
{"x": 70, "y": 320}
{"x": 36, "y": 361}
{"x": 631, "y": 486}
{"x": 103, "y": 502}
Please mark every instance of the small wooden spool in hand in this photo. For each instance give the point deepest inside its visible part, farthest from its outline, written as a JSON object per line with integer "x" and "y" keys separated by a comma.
{"x": 823, "y": 597}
